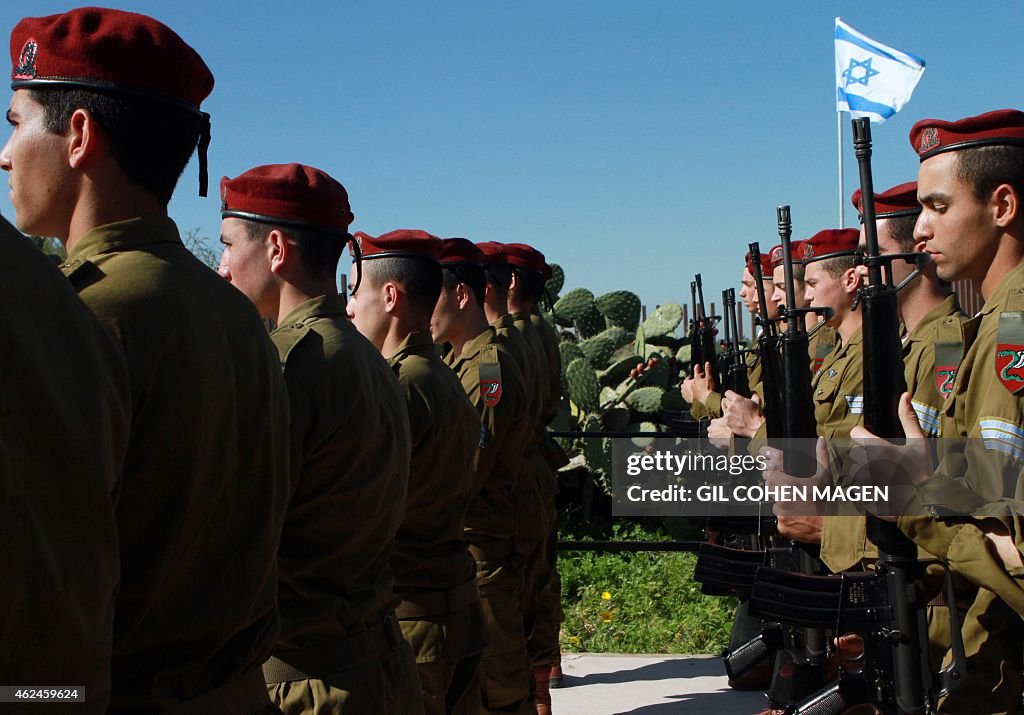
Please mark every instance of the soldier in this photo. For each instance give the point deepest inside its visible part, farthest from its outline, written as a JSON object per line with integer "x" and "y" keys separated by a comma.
{"x": 440, "y": 614}
{"x": 533, "y": 524}
{"x": 62, "y": 448}
{"x": 495, "y": 385}
{"x": 970, "y": 185}
{"x": 341, "y": 649}
{"x": 106, "y": 115}
{"x": 530, "y": 273}
{"x": 542, "y": 609}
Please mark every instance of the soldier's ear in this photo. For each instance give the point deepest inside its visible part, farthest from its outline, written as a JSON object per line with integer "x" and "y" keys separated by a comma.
{"x": 391, "y": 293}
{"x": 1005, "y": 203}
{"x": 85, "y": 138}
{"x": 462, "y": 295}
{"x": 279, "y": 250}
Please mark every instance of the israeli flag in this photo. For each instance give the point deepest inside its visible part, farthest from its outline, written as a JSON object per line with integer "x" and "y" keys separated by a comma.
{"x": 872, "y": 80}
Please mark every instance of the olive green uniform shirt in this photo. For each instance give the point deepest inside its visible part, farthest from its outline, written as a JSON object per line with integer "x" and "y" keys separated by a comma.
{"x": 504, "y": 431}
{"x": 529, "y": 491}
{"x": 63, "y": 436}
{"x": 205, "y": 482}
{"x": 838, "y": 389}
{"x": 431, "y": 553}
{"x": 350, "y": 461}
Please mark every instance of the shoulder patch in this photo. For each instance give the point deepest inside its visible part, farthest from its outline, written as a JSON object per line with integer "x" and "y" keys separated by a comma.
{"x": 490, "y": 376}
{"x": 948, "y": 355}
{"x": 1009, "y": 361}
{"x": 81, "y": 272}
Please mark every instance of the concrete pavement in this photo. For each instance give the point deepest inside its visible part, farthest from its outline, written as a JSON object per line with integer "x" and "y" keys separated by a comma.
{"x": 607, "y": 684}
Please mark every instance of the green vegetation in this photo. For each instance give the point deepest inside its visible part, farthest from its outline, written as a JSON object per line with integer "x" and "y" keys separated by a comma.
{"x": 638, "y": 602}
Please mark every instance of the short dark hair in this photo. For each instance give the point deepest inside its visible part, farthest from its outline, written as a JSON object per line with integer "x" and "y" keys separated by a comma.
{"x": 986, "y": 167}
{"x": 901, "y": 228}
{"x": 530, "y": 282}
{"x": 318, "y": 250}
{"x": 419, "y": 278}
{"x": 840, "y": 264}
{"x": 499, "y": 276}
{"x": 473, "y": 276}
{"x": 151, "y": 141}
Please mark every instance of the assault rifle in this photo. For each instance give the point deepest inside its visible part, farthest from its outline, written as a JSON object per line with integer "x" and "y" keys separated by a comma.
{"x": 732, "y": 362}
{"x": 886, "y": 606}
{"x": 702, "y": 332}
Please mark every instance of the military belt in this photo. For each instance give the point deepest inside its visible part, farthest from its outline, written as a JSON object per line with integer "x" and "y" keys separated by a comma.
{"x": 495, "y": 550}
{"x": 437, "y": 603}
{"x": 326, "y": 660}
{"x": 246, "y": 695}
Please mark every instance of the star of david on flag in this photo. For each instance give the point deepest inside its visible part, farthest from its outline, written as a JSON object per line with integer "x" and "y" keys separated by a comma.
{"x": 872, "y": 79}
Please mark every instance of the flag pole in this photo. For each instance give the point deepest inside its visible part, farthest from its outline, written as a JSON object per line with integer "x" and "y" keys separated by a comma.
{"x": 839, "y": 130}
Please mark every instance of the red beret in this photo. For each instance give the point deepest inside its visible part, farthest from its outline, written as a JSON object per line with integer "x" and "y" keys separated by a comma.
{"x": 766, "y": 266}
{"x": 288, "y": 195}
{"x": 493, "y": 253}
{"x": 796, "y": 250}
{"x": 934, "y": 136}
{"x": 401, "y": 243}
{"x": 460, "y": 252}
{"x": 830, "y": 243}
{"x": 898, "y": 201}
{"x": 98, "y": 48}
{"x": 116, "y": 51}
{"x": 521, "y": 255}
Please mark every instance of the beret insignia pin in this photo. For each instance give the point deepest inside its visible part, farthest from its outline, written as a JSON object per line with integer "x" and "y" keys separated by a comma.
{"x": 26, "y": 68}
{"x": 929, "y": 140}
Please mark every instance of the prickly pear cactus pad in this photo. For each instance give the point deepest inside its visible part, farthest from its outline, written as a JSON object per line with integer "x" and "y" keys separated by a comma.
{"x": 664, "y": 320}
{"x": 569, "y": 352}
{"x": 645, "y": 399}
{"x": 584, "y": 389}
{"x": 590, "y": 323}
{"x": 554, "y": 286}
{"x": 574, "y": 304}
{"x": 599, "y": 348}
{"x": 621, "y": 308}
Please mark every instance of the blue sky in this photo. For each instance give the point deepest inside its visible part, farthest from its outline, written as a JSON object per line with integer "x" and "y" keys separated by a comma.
{"x": 635, "y": 143}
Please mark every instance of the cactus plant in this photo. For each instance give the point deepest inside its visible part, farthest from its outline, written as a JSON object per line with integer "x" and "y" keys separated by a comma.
{"x": 598, "y": 349}
{"x": 590, "y": 323}
{"x": 645, "y": 399}
{"x": 621, "y": 308}
{"x": 569, "y": 352}
{"x": 584, "y": 389}
{"x": 664, "y": 320}
{"x": 574, "y": 304}
{"x": 557, "y": 280}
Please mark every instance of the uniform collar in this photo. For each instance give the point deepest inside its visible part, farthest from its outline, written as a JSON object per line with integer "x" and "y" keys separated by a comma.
{"x": 132, "y": 233}
{"x": 1013, "y": 279}
{"x": 323, "y": 306}
{"x": 473, "y": 347}
{"x": 504, "y": 322}
{"x": 947, "y": 307}
{"x": 415, "y": 343}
